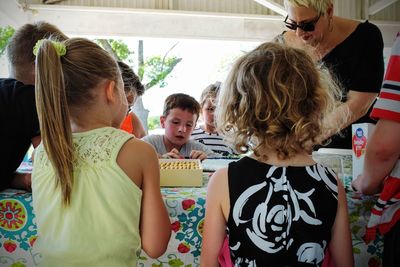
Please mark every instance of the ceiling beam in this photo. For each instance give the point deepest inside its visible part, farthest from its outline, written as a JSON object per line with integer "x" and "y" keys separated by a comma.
{"x": 273, "y": 6}
{"x": 378, "y": 6}
{"x": 114, "y": 22}
{"x": 12, "y": 14}
{"x": 140, "y": 23}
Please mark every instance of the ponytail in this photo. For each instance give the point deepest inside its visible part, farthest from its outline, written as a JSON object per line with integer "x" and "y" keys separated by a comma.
{"x": 53, "y": 112}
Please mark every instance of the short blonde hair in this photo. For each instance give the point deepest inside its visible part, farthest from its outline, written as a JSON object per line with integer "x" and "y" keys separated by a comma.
{"x": 275, "y": 97}
{"x": 210, "y": 92}
{"x": 321, "y": 6}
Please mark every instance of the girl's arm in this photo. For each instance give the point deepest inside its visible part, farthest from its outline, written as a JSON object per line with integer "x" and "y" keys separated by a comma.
{"x": 340, "y": 245}
{"x": 217, "y": 212}
{"x": 139, "y": 160}
{"x": 155, "y": 226}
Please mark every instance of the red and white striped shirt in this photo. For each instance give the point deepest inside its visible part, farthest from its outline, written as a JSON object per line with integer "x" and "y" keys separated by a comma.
{"x": 388, "y": 104}
{"x": 386, "y": 212}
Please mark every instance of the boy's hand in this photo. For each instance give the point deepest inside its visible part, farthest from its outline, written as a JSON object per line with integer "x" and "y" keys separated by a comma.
{"x": 173, "y": 154}
{"x": 197, "y": 154}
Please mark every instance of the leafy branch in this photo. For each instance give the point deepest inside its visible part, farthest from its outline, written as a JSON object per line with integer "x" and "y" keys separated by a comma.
{"x": 5, "y": 34}
{"x": 154, "y": 69}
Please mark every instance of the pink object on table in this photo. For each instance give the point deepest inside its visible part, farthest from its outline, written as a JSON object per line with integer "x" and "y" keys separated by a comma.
{"x": 224, "y": 257}
{"x": 327, "y": 260}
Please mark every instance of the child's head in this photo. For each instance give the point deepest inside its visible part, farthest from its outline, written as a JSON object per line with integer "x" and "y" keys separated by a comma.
{"x": 74, "y": 78}
{"x": 276, "y": 98}
{"x": 132, "y": 86}
{"x": 19, "y": 49}
{"x": 207, "y": 103}
{"x": 179, "y": 118}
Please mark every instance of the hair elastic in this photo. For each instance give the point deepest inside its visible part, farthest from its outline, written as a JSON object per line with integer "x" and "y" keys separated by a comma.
{"x": 61, "y": 49}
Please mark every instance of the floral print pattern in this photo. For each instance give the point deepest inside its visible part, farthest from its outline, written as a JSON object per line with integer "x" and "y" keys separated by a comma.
{"x": 17, "y": 229}
{"x": 268, "y": 228}
{"x": 17, "y": 247}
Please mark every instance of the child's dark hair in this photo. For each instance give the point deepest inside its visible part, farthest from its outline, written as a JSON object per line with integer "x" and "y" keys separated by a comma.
{"x": 182, "y": 101}
{"x": 131, "y": 80}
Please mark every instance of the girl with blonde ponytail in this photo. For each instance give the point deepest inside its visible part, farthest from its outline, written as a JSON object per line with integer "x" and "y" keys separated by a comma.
{"x": 92, "y": 183}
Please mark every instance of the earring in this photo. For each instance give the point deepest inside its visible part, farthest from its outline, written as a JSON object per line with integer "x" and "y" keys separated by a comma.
{"x": 330, "y": 24}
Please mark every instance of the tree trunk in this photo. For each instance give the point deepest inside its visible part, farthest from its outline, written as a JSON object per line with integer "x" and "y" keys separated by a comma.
{"x": 140, "y": 60}
{"x": 106, "y": 45}
{"x": 141, "y": 112}
{"x": 138, "y": 107}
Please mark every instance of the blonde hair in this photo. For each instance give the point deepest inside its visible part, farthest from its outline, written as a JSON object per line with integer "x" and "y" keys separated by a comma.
{"x": 210, "y": 92}
{"x": 64, "y": 83}
{"x": 321, "y": 6}
{"x": 275, "y": 97}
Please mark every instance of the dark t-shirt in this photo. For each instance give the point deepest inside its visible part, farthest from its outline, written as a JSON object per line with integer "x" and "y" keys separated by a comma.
{"x": 280, "y": 216}
{"x": 19, "y": 124}
{"x": 358, "y": 65}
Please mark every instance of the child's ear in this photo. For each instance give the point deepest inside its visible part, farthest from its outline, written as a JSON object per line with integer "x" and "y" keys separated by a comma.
{"x": 329, "y": 11}
{"x": 162, "y": 121}
{"x": 109, "y": 88}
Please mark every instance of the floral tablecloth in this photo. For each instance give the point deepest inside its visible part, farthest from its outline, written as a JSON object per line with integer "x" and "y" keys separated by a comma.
{"x": 359, "y": 212}
{"x": 186, "y": 208}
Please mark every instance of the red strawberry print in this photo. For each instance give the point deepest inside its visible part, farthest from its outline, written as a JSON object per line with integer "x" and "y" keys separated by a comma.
{"x": 187, "y": 204}
{"x": 10, "y": 246}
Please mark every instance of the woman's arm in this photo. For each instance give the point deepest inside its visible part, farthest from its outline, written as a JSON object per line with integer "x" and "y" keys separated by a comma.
{"x": 217, "y": 212}
{"x": 356, "y": 106}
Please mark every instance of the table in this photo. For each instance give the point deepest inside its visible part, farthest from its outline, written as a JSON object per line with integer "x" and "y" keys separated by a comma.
{"x": 186, "y": 208}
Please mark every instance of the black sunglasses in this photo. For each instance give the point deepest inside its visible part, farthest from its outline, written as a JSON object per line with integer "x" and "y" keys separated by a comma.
{"x": 305, "y": 26}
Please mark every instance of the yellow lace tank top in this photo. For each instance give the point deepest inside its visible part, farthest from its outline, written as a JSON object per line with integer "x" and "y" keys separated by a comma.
{"x": 100, "y": 227}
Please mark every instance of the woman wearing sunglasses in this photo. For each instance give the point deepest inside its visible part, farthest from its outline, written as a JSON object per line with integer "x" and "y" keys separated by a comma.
{"x": 353, "y": 51}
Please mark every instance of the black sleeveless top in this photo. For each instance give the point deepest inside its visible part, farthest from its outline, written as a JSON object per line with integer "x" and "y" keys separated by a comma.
{"x": 280, "y": 216}
{"x": 358, "y": 65}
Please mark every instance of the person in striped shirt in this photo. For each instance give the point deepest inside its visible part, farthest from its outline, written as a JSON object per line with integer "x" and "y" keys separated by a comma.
{"x": 206, "y": 133}
{"x": 381, "y": 172}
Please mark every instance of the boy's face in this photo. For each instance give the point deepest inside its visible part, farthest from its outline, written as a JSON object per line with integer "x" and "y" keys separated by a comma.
{"x": 207, "y": 111}
{"x": 178, "y": 125}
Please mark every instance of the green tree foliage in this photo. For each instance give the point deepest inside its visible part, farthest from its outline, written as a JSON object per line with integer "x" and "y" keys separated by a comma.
{"x": 121, "y": 49}
{"x": 117, "y": 48}
{"x": 5, "y": 35}
{"x": 153, "y": 70}
{"x": 156, "y": 70}
{"x": 153, "y": 122}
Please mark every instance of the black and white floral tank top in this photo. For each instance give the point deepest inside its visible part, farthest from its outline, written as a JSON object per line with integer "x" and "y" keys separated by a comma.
{"x": 280, "y": 216}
